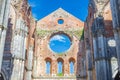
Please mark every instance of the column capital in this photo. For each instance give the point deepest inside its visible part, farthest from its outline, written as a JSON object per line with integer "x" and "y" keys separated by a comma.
{"x": 116, "y": 30}
{"x": 98, "y": 27}
{"x": 3, "y": 27}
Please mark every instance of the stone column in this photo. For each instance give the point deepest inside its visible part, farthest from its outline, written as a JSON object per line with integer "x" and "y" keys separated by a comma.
{"x": 115, "y": 7}
{"x": 4, "y": 11}
{"x": 18, "y": 50}
{"x": 66, "y": 68}
{"x": 117, "y": 39}
{"x": 102, "y": 63}
{"x": 29, "y": 64}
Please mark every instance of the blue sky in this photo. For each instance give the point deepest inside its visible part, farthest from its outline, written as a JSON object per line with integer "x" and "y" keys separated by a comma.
{"x": 60, "y": 43}
{"x": 41, "y": 8}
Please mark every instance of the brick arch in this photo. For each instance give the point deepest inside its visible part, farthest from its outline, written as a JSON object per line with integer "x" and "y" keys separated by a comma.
{"x": 71, "y": 65}
{"x": 60, "y": 59}
{"x": 61, "y": 32}
{"x": 72, "y": 59}
{"x": 48, "y": 59}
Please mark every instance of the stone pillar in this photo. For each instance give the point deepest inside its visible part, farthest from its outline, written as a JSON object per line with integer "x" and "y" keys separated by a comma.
{"x": 18, "y": 50}
{"x": 102, "y": 63}
{"x": 115, "y": 7}
{"x": 66, "y": 68}
{"x": 4, "y": 11}
{"x": 89, "y": 60}
{"x": 29, "y": 64}
{"x": 117, "y": 39}
{"x": 54, "y": 66}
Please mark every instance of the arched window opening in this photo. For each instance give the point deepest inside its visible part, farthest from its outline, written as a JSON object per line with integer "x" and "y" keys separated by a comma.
{"x": 117, "y": 76}
{"x": 1, "y": 77}
{"x": 48, "y": 65}
{"x": 114, "y": 65}
{"x": 71, "y": 67}
{"x": 60, "y": 43}
{"x": 60, "y": 67}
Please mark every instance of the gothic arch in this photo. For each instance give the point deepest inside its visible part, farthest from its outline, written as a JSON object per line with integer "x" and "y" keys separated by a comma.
{"x": 72, "y": 59}
{"x": 71, "y": 65}
{"x": 60, "y": 67}
{"x": 4, "y": 74}
{"x": 60, "y": 32}
{"x": 48, "y": 59}
{"x": 48, "y": 62}
{"x": 60, "y": 59}
{"x": 114, "y": 65}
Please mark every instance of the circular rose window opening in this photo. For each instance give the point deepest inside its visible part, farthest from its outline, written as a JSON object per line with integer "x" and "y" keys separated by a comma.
{"x": 60, "y": 21}
{"x": 60, "y": 43}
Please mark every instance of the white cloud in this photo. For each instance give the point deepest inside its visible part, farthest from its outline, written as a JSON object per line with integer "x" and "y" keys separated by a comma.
{"x": 58, "y": 37}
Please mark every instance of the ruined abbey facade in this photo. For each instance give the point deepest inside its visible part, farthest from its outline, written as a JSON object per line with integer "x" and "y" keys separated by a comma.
{"x": 94, "y": 52}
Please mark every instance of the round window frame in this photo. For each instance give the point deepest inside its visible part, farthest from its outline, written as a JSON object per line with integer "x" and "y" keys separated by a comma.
{"x": 60, "y": 32}
{"x": 59, "y": 21}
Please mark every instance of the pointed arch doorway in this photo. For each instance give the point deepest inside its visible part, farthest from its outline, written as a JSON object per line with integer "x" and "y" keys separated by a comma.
{"x": 1, "y": 76}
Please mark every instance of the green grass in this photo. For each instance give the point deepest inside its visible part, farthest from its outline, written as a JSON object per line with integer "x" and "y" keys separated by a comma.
{"x": 60, "y": 74}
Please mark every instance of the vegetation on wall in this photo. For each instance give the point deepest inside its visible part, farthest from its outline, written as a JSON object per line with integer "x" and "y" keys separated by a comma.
{"x": 60, "y": 74}
{"x": 82, "y": 36}
{"x": 43, "y": 33}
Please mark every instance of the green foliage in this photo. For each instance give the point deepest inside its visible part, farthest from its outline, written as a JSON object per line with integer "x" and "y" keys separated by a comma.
{"x": 42, "y": 33}
{"x": 77, "y": 33}
{"x": 60, "y": 54}
{"x": 82, "y": 36}
{"x": 60, "y": 74}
